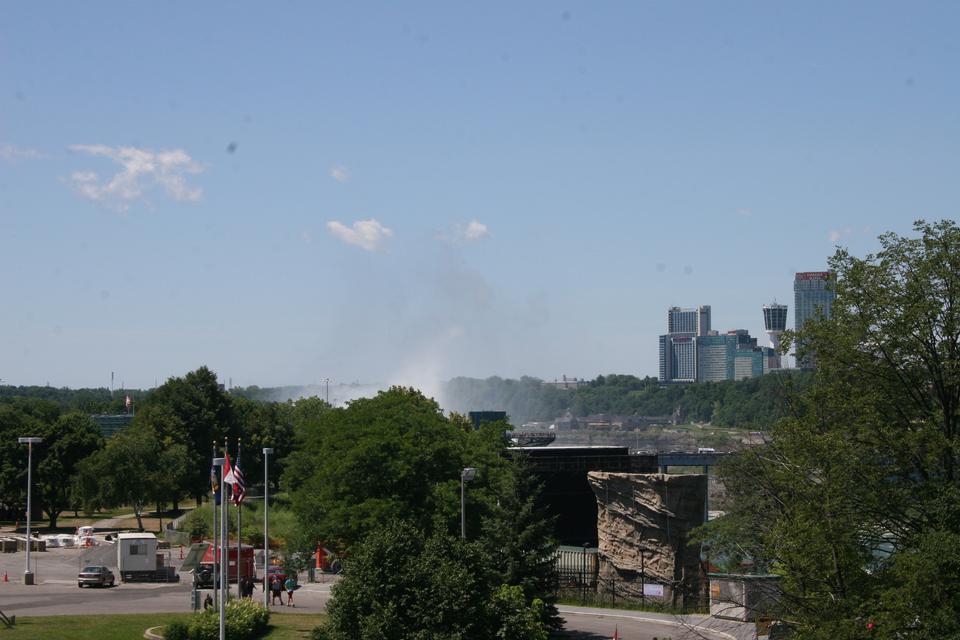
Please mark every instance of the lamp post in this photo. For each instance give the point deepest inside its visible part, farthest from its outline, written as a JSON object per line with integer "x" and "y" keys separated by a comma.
{"x": 222, "y": 573}
{"x": 468, "y": 474}
{"x": 266, "y": 526}
{"x": 27, "y": 574}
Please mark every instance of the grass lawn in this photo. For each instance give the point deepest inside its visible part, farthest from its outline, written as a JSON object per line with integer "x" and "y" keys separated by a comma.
{"x": 283, "y": 626}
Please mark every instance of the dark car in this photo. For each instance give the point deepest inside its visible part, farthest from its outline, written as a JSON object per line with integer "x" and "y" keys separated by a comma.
{"x": 96, "y": 576}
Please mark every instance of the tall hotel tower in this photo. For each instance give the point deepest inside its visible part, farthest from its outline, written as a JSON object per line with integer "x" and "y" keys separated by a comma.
{"x": 813, "y": 295}
{"x": 678, "y": 349}
{"x": 775, "y": 323}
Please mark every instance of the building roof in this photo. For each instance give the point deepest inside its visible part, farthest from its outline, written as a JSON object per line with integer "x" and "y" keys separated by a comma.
{"x": 136, "y": 536}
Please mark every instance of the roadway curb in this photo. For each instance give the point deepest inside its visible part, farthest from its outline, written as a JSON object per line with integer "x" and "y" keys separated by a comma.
{"x": 153, "y": 634}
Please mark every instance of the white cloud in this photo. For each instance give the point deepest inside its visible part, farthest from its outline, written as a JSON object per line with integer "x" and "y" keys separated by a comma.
{"x": 141, "y": 170}
{"x": 835, "y": 235}
{"x": 476, "y": 230}
{"x": 366, "y": 234}
{"x": 10, "y": 152}
{"x": 460, "y": 234}
{"x": 340, "y": 174}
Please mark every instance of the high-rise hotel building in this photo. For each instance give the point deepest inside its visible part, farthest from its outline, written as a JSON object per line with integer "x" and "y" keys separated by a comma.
{"x": 678, "y": 348}
{"x": 813, "y": 295}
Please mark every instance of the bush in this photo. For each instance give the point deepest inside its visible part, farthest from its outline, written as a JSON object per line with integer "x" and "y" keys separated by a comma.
{"x": 177, "y": 630}
{"x": 245, "y": 620}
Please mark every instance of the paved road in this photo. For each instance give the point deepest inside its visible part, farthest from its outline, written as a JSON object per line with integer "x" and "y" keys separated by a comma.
{"x": 57, "y": 594}
{"x": 582, "y": 623}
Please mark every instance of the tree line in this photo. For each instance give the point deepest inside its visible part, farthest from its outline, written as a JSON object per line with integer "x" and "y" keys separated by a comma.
{"x": 754, "y": 403}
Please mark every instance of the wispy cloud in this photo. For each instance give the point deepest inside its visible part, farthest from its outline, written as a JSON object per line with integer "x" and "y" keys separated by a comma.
{"x": 366, "y": 234}
{"x": 140, "y": 170}
{"x": 835, "y": 235}
{"x": 461, "y": 234}
{"x": 339, "y": 173}
{"x": 11, "y": 152}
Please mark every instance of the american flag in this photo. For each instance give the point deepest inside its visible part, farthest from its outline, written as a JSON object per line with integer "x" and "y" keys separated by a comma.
{"x": 239, "y": 484}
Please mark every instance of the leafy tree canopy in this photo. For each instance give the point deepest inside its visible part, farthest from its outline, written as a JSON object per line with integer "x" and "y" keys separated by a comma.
{"x": 856, "y": 501}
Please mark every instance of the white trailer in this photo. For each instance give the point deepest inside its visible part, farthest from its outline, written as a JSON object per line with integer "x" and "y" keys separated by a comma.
{"x": 137, "y": 557}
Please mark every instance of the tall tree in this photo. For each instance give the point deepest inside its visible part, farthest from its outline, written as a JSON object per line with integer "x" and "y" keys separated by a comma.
{"x": 66, "y": 442}
{"x": 856, "y": 501}
{"x": 393, "y": 456}
{"x": 193, "y": 410}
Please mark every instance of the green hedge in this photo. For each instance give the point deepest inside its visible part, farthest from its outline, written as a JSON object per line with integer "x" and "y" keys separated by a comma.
{"x": 245, "y": 620}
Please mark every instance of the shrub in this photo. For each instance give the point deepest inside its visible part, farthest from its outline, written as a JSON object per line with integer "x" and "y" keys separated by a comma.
{"x": 245, "y": 620}
{"x": 177, "y": 630}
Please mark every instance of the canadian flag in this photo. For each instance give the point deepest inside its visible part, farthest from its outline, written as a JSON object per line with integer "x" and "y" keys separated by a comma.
{"x": 616, "y": 633}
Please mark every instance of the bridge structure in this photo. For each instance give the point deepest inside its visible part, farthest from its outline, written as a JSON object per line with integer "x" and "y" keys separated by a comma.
{"x": 702, "y": 459}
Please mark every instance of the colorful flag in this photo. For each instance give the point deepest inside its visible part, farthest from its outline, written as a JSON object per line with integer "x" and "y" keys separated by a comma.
{"x": 616, "y": 633}
{"x": 214, "y": 480}
{"x": 239, "y": 485}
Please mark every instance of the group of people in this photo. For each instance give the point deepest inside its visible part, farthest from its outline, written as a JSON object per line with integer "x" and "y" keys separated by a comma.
{"x": 277, "y": 588}
{"x": 246, "y": 587}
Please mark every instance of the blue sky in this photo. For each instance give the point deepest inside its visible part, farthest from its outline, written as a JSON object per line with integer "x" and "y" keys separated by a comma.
{"x": 405, "y": 192}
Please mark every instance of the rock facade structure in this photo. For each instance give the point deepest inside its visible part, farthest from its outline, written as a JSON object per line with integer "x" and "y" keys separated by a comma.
{"x": 643, "y": 526}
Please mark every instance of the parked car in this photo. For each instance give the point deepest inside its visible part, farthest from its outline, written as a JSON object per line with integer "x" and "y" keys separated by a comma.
{"x": 96, "y": 576}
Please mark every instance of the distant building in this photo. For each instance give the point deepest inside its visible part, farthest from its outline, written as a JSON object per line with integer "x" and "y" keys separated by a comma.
{"x": 775, "y": 323}
{"x": 716, "y": 357}
{"x": 678, "y": 358}
{"x": 695, "y": 322}
{"x": 813, "y": 295}
{"x": 678, "y": 350}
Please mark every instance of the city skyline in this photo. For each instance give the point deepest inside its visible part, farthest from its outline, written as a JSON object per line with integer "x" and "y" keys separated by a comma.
{"x": 407, "y": 194}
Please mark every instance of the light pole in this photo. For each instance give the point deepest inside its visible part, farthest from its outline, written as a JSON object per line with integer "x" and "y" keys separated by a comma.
{"x": 266, "y": 527}
{"x": 468, "y": 474}
{"x": 27, "y": 574}
{"x": 222, "y": 574}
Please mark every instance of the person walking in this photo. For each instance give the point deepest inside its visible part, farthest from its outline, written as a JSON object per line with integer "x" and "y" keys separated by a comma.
{"x": 275, "y": 591}
{"x": 290, "y": 585}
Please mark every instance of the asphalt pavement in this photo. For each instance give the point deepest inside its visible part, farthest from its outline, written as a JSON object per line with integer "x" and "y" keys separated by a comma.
{"x": 57, "y": 593}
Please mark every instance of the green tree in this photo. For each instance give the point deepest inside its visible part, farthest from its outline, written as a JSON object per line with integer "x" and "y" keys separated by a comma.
{"x": 403, "y": 585}
{"x": 193, "y": 410}
{"x": 394, "y": 456}
{"x": 519, "y": 535}
{"x": 66, "y": 442}
{"x": 126, "y": 472}
{"x": 14, "y": 423}
{"x": 856, "y": 501}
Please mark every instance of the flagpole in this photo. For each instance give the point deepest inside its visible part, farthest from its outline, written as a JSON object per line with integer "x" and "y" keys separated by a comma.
{"x": 224, "y": 590}
{"x": 239, "y": 511}
{"x": 215, "y": 548}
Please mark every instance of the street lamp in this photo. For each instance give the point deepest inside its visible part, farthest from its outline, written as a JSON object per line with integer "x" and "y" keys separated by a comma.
{"x": 27, "y": 574}
{"x": 467, "y": 475}
{"x": 266, "y": 541}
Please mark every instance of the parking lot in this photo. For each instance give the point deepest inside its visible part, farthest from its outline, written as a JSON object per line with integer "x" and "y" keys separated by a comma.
{"x": 56, "y": 591}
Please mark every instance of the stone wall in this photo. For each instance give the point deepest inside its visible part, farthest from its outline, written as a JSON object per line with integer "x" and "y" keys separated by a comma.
{"x": 643, "y": 525}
